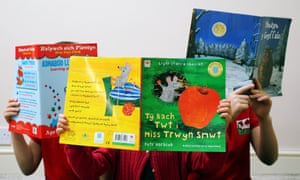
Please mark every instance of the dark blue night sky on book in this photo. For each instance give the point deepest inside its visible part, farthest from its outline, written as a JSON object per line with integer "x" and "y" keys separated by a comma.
{"x": 253, "y": 46}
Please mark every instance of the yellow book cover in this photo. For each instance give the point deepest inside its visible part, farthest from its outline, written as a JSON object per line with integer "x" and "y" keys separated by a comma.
{"x": 103, "y": 102}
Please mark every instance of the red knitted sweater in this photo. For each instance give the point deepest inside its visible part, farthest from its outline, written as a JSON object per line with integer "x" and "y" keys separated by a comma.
{"x": 128, "y": 165}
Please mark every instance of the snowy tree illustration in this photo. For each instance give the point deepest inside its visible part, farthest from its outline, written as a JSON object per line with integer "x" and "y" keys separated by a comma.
{"x": 200, "y": 46}
{"x": 242, "y": 53}
{"x": 193, "y": 31}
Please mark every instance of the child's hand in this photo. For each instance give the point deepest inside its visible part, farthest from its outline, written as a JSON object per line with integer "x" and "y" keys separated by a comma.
{"x": 12, "y": 109}
{"x": 261, "y": 102}
{"x": 224, "y": 109}
{"x": 239, "y": 100}
{"x": 62, "y": 124}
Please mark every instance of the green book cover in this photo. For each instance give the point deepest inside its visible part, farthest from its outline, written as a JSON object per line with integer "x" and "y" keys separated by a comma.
{"x": 179, "y": 100}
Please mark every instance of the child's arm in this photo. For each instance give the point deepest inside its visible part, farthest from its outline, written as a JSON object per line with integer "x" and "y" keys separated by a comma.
{"x": 28, "y": 154}
{"x": 264, "y": 140}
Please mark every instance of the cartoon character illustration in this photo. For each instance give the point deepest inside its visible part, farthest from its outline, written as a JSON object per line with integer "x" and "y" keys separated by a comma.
{"x": 121, "y": 92}
{"x": 265, "y": 68}
{"x": 125, "y": 90}
{"x": 169, "y": 92}
{"x": 123, "y": 78}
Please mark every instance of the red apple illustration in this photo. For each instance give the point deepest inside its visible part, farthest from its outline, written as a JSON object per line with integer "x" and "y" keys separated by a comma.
{"x": 198, "y": 105}
{"x": 128, "y": 108}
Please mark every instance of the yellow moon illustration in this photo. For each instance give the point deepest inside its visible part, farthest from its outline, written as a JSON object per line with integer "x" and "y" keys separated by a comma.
{"x": 219, "y": 29}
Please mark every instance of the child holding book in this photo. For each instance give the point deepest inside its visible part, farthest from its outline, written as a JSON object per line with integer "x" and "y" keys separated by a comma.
{"x": 29, "y": 152}
{"x": 252, "y": 124}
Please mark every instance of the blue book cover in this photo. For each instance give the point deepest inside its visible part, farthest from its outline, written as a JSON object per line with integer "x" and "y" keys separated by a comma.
{"x": 253, "y": 46}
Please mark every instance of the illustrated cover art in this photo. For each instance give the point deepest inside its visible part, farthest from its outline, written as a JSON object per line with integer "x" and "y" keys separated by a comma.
{"x": 138, "y": 103}
{"x": 40, "y": 85}
{"x": 179, "y": 104}
{"x": 253, "y": 46}
{"x": 103, "y": 102}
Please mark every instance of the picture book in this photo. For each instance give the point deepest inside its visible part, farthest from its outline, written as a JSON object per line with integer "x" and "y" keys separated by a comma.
{"x": 103, "y": 102}
{"x": 179, "y": 104}
{"x": 40, "y": 85}
{"x": 139, "y": 103}
{"x": 253, "y": 46}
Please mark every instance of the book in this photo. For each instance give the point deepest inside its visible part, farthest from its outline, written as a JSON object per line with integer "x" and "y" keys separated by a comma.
{"x": 40, "y": 85}
{"x": 141, "y": 103}
{"x": 179, "y": 104}
{"x": 103, "y": 102}
{"x": 253, "y": 46}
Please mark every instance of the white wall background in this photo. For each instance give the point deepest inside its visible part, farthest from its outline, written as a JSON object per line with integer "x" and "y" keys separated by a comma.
{"x": 142, "y": 28}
